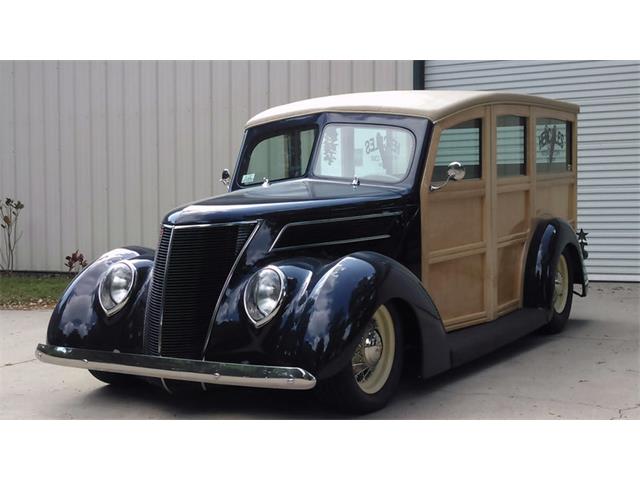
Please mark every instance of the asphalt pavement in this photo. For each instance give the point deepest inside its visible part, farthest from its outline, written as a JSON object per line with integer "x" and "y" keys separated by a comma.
{"x": 589, "y": 371}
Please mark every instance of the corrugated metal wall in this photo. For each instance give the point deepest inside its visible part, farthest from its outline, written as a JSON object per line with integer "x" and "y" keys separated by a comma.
{"x": 608, "y": 93}
{"x": 99, "y": 151}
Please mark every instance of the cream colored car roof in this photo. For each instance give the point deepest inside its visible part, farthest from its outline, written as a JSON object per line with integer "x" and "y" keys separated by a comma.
{"x": 432, "y": 104}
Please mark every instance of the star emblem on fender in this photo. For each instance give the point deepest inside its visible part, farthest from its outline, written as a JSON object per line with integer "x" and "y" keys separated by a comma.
{"x": 582, "y": 240}
{"x": 582, "y": 236}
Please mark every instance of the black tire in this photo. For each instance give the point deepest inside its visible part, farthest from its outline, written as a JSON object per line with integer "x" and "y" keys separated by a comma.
{"x": 559, "y": 318}
{"x": 343, "y": 392}
{"x": 116, "y": 379}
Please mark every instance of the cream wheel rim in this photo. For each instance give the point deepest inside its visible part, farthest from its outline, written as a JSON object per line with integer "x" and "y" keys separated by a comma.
{"x": 561, "y": 286}
{"x": 373, "y": 358}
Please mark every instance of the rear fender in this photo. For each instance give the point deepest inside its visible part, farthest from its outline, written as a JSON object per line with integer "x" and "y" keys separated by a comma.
{"x": 551, "y": 237}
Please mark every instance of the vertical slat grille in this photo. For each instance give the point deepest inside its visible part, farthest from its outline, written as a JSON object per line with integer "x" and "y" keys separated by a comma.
{"x": 186, "y": 284}
{"x": 154, "y": 300}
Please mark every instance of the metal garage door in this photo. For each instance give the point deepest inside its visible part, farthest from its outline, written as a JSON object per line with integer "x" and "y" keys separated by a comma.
{"x": 608, "y": 93}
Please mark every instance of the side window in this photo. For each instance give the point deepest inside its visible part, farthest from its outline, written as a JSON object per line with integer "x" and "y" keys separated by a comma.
{"x": 511, "y": 145}
{"x": 553, "y": 145}
{"x": 461, "y": 143}
{"x": 279, "y": 157}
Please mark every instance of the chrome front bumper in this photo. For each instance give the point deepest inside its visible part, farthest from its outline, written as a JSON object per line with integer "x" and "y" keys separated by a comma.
{"x": 220, "y": 373}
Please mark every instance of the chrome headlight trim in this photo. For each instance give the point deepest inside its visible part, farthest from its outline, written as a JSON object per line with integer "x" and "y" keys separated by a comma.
{"x": 283, "y": 284}
{"x": 119, "y": 306}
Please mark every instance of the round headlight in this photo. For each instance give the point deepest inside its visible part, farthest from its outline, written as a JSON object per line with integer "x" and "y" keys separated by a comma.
{"x": 263, "y": 294}
{"x": 116, "y": 286}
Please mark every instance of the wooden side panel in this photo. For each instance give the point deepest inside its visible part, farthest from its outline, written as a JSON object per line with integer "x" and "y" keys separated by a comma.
{"x": 447, "y": 210}
{"x": 553, "y": 199}
{"x": 476, "y": 232}
{"x": 456, "y": 230}
{"x": 457, "y": 288}
{"x": 512, "y": 213}
{"x": 510, "y": 260}
{"x": 513, "y": 230}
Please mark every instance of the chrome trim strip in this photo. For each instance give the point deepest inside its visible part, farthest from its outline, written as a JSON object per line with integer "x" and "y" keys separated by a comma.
{"x": 331, "y": 220}
{"x": 207, "y": 225}
{"x": 226, "y": 282}
{"x": 332, "y": 242}
{"x": 221, "y": 373}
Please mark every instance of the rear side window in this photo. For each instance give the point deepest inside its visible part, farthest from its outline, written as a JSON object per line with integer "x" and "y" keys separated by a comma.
{"x": 511, "y": 145}
{"x": 460, "y": 143}
{"x": 553, "y": 145}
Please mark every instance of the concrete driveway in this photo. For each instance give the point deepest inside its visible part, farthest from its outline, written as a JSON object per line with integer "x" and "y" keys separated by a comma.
{"x": 590, "y": 371}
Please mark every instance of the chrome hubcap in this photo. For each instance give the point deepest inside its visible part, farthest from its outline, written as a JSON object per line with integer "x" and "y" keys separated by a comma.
{"x": 372, "y": 361}
{"x": 367, "y": 355}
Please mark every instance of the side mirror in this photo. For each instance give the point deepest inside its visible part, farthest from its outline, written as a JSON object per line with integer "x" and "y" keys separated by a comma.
{"x": 225, "y": 178}
{"x": 455, "y": 172}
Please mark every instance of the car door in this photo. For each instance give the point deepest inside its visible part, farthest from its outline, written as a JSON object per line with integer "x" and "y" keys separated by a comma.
{"x": 513, "y": 182}
{"x": 457, "y": 258}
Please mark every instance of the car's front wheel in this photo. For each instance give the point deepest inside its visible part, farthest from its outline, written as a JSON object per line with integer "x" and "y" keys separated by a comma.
{"x": 372, "y": 376}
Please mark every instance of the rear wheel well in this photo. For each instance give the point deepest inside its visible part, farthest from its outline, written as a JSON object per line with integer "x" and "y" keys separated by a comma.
{"x": 412, "y": 344}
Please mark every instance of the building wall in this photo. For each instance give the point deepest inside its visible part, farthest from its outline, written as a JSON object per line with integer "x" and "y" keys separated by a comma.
{"x": 99, "y": 151}
{"x": 608, "y": 93}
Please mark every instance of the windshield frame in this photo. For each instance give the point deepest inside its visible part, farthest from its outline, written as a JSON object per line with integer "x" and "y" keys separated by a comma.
{"x": 419, "y": 127}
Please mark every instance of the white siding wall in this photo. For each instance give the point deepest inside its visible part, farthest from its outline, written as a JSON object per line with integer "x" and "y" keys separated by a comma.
{"x": 99, "y": 151}
{"x": 608, "y": 93}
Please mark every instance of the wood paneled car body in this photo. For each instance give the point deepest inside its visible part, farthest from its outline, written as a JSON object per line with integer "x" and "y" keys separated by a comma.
{"x": 360, "y": 233}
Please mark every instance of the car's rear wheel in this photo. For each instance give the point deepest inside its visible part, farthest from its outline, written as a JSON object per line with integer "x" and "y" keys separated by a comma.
{"x": 562, "y": 294}
{"x": 372, "y": 376}
{"x": 117, "y": 379}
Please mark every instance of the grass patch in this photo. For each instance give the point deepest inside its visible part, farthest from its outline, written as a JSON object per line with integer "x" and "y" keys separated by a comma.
{"x": 31, "y": 291}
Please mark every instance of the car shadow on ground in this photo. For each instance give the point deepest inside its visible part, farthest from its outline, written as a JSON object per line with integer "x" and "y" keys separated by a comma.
{"x": 256, "y": 403}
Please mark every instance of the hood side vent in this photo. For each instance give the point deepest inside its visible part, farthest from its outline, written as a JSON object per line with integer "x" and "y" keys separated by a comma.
{"x": 316, "y": 233}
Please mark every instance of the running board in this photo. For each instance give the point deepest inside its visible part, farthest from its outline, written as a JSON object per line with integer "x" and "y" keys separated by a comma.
{"x": 473, "y": 342}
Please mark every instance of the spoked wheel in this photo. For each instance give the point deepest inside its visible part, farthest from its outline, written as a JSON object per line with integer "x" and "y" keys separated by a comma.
{"x": 372, "y": 377}
{"x": 562, "y": 295}
{"x": 372, "y": 361}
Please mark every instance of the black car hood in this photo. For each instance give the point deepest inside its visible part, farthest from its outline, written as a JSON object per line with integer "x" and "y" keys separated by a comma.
{"x": 303, "y": 197}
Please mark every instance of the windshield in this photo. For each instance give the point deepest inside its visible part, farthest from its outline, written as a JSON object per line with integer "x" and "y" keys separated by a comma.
{"x": 278, "y": 157}
{"x": 370, "y": 152}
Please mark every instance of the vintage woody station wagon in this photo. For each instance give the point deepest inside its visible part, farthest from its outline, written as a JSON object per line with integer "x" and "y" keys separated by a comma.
{"x": 360, "y": 233}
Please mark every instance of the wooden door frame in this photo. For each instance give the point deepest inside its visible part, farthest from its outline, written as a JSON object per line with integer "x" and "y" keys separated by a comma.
{"x": 517, "y": 183}
{"x": 466, "y": 188}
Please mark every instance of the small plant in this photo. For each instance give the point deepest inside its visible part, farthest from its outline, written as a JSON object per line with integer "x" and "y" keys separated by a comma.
{"x": 9, "y": 211}
{"x": 75, "y": 262}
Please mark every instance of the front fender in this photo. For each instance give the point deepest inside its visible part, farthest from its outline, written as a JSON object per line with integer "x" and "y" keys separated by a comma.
{"x": 327, "y": 307}
{"x": 79, "y": 321}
